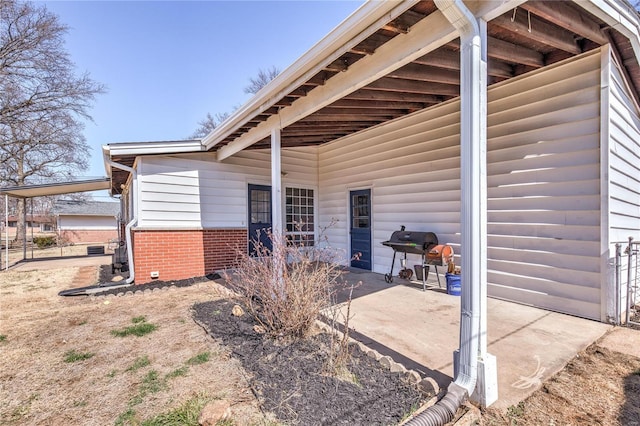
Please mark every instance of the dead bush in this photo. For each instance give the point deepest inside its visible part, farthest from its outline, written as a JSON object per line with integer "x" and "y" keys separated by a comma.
{"x": 285, "y": 287}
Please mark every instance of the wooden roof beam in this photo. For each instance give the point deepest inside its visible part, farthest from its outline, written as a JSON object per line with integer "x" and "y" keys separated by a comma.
{"x": 397, "y": 26}
{"x": 413, "y": 86}
{"x": 426, "y": 73}
{"x": 375, "y": 104}
{"x": 313, "y": 139}
{"x": 505, "y": 51}
{"x": 347, "y": 117}
{"x": 379, "y": 95}
{"x": 509, "y": 52}
{"x": 339, "y": 65}
{"x": 324, "y": 125}
{"x": 541, "y": 31}
{"x": 445, "y": 58}
{"x": 370, "y": 112}
{"x": 563, "y": 15}
{"x": 425, "y": 36}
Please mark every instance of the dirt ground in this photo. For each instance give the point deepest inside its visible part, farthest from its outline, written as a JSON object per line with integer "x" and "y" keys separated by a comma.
{"x": 125, "y": 380}
{"x": 598, "y": 387}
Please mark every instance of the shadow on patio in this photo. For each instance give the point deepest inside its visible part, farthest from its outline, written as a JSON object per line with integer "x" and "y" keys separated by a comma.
{"x": 420, "y": 330}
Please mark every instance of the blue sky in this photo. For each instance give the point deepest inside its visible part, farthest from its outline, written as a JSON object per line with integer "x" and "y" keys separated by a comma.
{"x": 167, "y": 63}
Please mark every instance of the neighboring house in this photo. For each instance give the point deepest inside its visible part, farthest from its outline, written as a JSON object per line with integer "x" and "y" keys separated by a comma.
{"x": 366, "y": 134}
{"x": 87, "y": 221}
{"x": 35, "y": 223}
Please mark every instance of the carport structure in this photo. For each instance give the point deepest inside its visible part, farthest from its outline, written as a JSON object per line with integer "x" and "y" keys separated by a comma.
{"x": 42, "y": 190}
{"x": 400, "y": 100}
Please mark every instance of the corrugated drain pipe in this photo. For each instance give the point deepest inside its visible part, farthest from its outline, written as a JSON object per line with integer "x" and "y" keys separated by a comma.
{"x": 134, "y": 220}
{"x": 465, "y": 381}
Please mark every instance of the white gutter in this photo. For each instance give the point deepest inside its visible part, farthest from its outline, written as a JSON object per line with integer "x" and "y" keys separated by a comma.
{"x": 155, "y": 148}
{"x": 365, "y": 21}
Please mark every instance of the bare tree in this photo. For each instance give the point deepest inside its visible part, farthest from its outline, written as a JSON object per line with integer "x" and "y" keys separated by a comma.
{"x": 209, "y": 123}
{"x": 42, "y": 100}
{"x": 262, "y": 79}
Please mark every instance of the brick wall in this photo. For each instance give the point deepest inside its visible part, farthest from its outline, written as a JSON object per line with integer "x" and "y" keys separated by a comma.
{"x": 177, "y": 255}
{"x": 89, "y": 236}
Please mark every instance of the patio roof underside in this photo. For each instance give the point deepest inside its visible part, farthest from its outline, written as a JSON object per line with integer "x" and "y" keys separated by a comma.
{"x": 536, "y": 34}
{"x": 533, "y": 35}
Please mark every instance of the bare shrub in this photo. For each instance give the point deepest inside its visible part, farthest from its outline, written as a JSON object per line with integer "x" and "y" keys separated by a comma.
{"x": 285, "y": 287}
{"x": 339, "y": 354}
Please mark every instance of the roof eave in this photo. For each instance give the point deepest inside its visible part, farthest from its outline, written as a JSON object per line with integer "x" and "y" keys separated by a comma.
{"x": 154, "y": 148}
{"x": 355, "y": 28}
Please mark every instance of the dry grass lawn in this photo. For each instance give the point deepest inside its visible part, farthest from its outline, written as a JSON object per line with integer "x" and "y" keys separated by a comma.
{"x": 16, "y": 254}
{"x": 60, "y": 364}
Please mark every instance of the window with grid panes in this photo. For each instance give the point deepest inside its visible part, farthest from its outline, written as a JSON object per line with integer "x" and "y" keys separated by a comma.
{"x": 300, "y": 224}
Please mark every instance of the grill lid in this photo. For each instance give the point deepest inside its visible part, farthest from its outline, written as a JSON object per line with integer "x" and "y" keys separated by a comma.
{"x": 411, "y": 241}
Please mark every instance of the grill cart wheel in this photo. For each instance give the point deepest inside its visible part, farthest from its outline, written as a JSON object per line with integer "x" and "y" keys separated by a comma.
{"x": 388, "y": 278}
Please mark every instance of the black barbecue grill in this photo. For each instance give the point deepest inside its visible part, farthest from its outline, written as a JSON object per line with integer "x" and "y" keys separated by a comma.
{"x": 423, "y": 243}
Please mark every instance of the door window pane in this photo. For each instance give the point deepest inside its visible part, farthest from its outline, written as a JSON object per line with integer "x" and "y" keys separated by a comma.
{"x": 360, "y": 213}
{"x": 260, "y": 206}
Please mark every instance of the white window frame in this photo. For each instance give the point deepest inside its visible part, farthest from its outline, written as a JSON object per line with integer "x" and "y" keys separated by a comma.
{"x": 290, "y": 214}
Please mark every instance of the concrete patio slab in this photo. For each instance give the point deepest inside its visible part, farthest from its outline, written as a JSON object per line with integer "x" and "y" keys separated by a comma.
{"x": 420, "y": 329}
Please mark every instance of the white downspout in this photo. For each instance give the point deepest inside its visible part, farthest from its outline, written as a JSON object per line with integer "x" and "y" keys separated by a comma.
{"x": 134, "y": 220}
{"x": 473, "y": 182}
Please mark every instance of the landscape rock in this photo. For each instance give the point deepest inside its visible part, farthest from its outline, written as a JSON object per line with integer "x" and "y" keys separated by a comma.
{"x": 237, "y": 311}
{"x": 386, "y": 362}
{"x": 259, "y": 329}
{"x": 214, "y": 412}
{"x": 429, "y": 386}
{"x": 413, "y": 376}
{"x": 397, "y": 368}
{"x": 373, "y": 354}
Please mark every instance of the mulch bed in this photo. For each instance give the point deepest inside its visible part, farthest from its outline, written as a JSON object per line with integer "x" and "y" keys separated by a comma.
{"x": 106, "y": 276}
{"x": 289, "y": 379}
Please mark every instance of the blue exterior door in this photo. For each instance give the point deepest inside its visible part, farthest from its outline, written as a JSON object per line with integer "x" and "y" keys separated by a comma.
{"x": 360, "y": 228}
{"x": 259, "y": 217}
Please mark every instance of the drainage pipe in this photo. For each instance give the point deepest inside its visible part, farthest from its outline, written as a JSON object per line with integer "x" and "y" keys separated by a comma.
{"x": 473, "y": 211}
{"x": 134, "y": 220}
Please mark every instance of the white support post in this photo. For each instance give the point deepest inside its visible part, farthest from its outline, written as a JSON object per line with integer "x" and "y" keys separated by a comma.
{"x": 24, "y": 236}
{"x": 276, "y": 211}
{"x": 6, "y": 231}
{"x": 276, "y": 183}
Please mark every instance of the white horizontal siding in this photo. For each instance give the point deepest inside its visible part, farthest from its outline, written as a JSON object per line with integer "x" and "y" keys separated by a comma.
{"x": 624, "y": 172}
{"x": 624, "y": 162}
{"x": 543, "y": 185}
{"x": 68, "y": 223}
{"x": 195, "y": 191}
